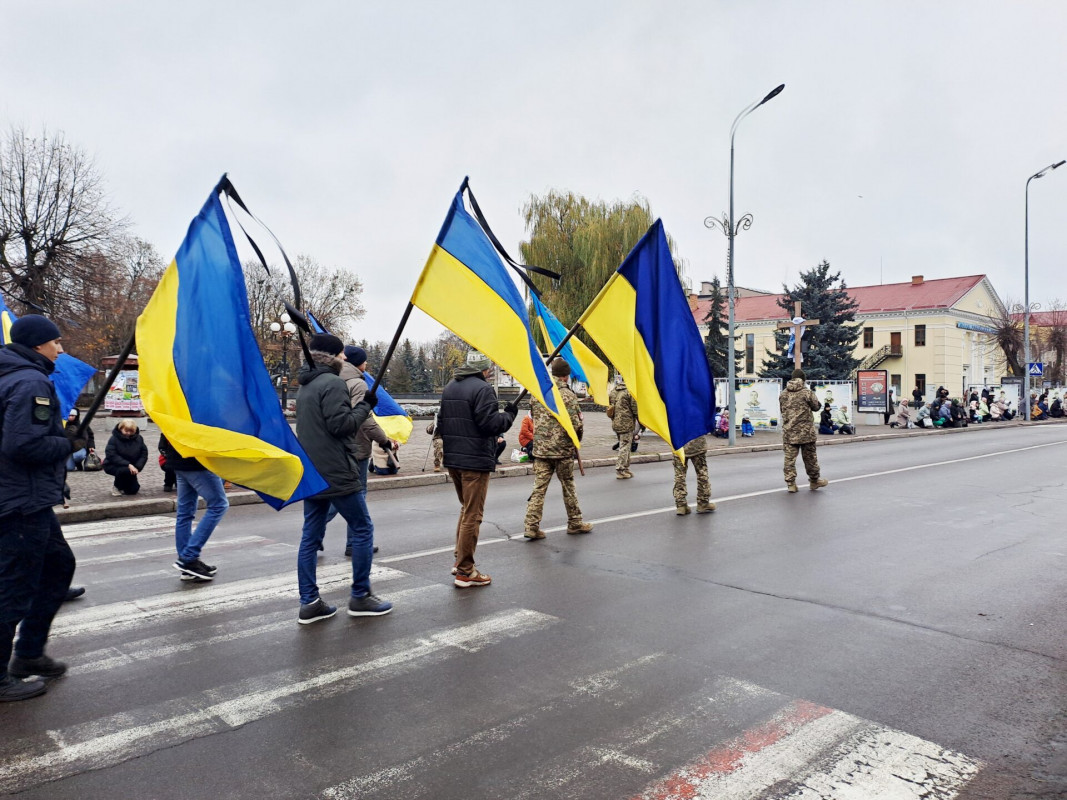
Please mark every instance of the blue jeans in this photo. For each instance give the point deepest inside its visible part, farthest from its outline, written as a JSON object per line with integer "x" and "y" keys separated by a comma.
{"x": 192, "y": 485}
{"x": 76, "y": 458}
{"x": 353, "y": 508}
{"x": 365, "y": 527}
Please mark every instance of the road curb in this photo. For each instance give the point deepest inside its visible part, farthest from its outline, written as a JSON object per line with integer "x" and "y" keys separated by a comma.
{"x": 167, "y": 505}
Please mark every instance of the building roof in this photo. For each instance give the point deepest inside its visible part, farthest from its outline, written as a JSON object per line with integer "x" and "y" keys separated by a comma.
{"x": 889, "y": 297}
{"x": 1044, "y": 319}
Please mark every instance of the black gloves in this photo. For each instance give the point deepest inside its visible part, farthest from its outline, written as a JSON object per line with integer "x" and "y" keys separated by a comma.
{"x": 371, "y": 398}
{"x": 512, "y": 408}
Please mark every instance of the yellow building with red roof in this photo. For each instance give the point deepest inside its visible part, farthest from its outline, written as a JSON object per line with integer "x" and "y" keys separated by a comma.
{"x": 928, "y": 333}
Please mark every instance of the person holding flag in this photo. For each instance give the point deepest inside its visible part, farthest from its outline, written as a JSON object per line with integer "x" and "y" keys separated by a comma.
{"x": 469, "y": 422}
{"x": 553, "y": 454}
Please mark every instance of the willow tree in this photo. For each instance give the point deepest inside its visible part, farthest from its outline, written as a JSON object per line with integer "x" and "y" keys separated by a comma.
{"x": 585, "y": 242}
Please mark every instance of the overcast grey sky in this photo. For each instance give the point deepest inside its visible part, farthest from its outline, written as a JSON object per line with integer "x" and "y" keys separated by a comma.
{"x": 901, "y": 145}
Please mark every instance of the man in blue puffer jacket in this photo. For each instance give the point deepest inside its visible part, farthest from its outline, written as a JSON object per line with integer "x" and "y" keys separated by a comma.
{"x": 36, "y": 563}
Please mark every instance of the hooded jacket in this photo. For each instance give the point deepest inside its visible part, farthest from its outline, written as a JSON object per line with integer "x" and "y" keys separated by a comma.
{"x": 33, "y": 446}
{"x": 326, "y": 424}
{"x": 370, "y": 430}
{"x": 122, "y": 451}
{"x": 470, "y": 420}
{"x": 797, "y": 403}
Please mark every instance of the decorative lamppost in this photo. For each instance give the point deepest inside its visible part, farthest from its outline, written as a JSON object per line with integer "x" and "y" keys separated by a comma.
{"x": 1026, "y": 287}
{"x": 284, "y": 330}
{"x": 728, "y": 227}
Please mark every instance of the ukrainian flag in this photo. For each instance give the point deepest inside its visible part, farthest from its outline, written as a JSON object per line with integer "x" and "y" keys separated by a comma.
{"x": 393, "y": 419}
{"x": 642, "y": 321}
{"x": 585, "y": 366}
{"x": 70, "y": 374}
{"x": 202, "y": 378}
{"x": 466, "y": 288}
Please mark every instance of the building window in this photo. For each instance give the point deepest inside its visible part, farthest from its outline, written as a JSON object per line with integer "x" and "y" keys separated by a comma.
{"x": 894, "y": 382}
{"x": 920, "y": 336}
{"x": 868, "y": 337}
{"x": 750, "y": 353}
{"x": 920, "y": 384}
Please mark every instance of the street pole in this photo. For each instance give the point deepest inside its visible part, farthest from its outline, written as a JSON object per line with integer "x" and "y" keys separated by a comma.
{"x": 284, "y": 331}
{"x": 731, "y": 229}
{"x": 1026, "y": 286}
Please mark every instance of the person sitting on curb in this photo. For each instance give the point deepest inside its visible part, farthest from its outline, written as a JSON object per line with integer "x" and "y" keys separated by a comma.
{"x": 903, "y": 417}
{"x": 840, "y": 417}
{"x": 826, "y": 424}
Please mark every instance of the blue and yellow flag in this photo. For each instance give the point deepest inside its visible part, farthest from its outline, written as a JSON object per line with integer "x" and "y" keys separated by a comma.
{"x": 642, "y": 321}
{"x": 466, "y": 288}
{"x": 393, "y": 419}
{"x": 69, "y": 376}
{"x": 202, "y": 378}
{"x": 585, "y": 366}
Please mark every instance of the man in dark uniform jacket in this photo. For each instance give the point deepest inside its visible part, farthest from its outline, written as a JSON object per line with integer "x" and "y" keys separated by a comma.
{"x": 36, "y": 563}
{"x": 470, "y": 421}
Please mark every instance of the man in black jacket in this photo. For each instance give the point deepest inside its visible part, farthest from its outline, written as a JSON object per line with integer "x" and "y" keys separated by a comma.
{"x": 326, "y": 425}
{"x": 36, "y": 563}
{"x": 470, "y": 421}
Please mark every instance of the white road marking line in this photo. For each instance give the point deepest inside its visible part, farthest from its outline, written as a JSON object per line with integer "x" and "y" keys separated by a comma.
{"x": 388, "y": 779}
{"x": 811, "y": 752}
{"x": 80, "y": 530}
{"x": 159, "y": 551}
{"x": 171, "y": 645}
{"x": 198, "y": 600}
{"x": 112, "y": 740}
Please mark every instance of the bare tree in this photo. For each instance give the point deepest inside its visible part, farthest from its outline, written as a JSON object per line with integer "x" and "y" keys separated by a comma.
{"x": 53, "y": 215}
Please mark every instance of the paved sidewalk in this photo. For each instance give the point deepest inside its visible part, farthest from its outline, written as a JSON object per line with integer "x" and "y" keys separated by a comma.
{"x": 91, "y": 491}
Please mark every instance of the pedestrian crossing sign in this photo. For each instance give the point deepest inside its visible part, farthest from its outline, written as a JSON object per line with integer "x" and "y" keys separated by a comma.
{"x": 1035, "y": 369}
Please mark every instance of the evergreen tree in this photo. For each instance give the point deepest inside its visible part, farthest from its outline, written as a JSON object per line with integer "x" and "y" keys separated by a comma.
{"x": 717, "y": 341}
{"x": 375, "y": 354}
{"x": 421, "y": 380}
{"x": 828, "y": 346}
{"x": 402, "y": 368}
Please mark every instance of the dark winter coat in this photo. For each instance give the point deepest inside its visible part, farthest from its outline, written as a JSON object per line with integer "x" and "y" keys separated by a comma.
{"x": 176, "y": 460}
{"x": 33, "y": 447}
{"x": 122, "y": 451}
{"x": 470, "y": 421}
{"x": 797, "y": 402}
{"x": 326, "y": 424}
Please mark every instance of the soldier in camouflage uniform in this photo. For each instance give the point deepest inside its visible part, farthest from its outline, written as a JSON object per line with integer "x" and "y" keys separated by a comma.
{"x": 798, "y": 431}
{"x": 696, "y": 454}
{"x": 624, "y": 423}
{"x": 438, "y": 445}
{"x": 553, "y": 452}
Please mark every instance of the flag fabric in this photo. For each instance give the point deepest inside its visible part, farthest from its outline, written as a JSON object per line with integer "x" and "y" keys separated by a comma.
{"x": 642, "y": 322}
{"x": 202, "y": 378}
{"x": 585, "y": 366}
{"x": 392, "y": 418}
{"x": 466, "y": 288}
{"x": 70, "y": 375}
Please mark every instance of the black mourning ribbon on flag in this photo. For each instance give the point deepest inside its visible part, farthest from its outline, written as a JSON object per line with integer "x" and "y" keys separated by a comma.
{"x": 226, "y": 188}
{"x": 523, "y": 270}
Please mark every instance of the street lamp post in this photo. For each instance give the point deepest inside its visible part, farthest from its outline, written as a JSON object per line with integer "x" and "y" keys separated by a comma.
{"x": 730, "y": 229}
{"x": 284, "y": 330}
{"x": 1026, "y": 285}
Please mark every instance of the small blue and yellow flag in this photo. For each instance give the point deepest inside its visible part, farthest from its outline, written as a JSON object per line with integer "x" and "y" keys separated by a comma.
{"x": 585, "y": 366}
{"x": 466, "y": 288}
{"x": 69, "y": 376}
{"x": 202, "y": 378}
{"x": 642, "y": 322}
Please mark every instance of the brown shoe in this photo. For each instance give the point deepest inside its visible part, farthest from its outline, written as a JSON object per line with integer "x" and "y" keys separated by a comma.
{"x": 622, "y": 475}
{"x": 538, "y": 534}
{"x": 476, "y": 578}
{"x": 705, "y": 508}
{"x": 681, "y": 511}
{"x": 438, "y": 469}
{"x": 581, "y": 527}
{"x": 818, "y": 484}
{"x": 791, "y": 488}
{"x": 628, "y": 473}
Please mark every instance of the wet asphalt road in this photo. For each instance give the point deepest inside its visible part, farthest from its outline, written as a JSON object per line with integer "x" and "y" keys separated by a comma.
{"x": 902, "y": 629}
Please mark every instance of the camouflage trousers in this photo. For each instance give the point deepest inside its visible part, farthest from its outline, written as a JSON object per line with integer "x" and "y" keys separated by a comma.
{"x": 700, "y": 466}
{"x": 543, "y": 469}
{"x": 622, "y": 461}
{"x": 438, "y": 452}
{"x": 811, "y": 461}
